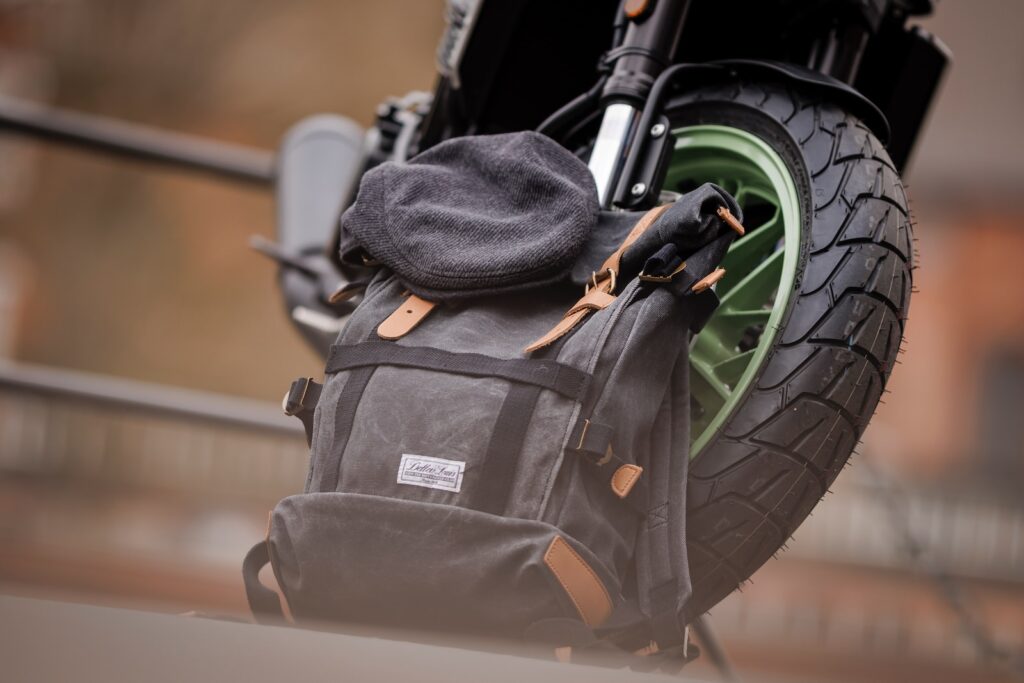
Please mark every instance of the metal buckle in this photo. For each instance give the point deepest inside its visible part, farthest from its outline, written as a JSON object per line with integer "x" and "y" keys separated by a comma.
{"x": 608, "y": 454}
{"x": 583, "y": 434}
{"x": 644, "y": 277}
{"x": 594, "y": 281}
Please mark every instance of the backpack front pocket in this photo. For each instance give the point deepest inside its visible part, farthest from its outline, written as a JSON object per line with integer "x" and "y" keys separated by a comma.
{"x": 408, "y": 564}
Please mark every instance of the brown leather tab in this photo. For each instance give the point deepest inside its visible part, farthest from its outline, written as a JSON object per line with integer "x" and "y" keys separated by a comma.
{"x": 708, "y": 280}
{"x": 730, "y": 220}
{"x": 563, "y": 327}
{"x": 407, "y": 316}
{"x": 593, "y": 300}
{"x": 580, "y": 582}
{"x": 625, "y": 478}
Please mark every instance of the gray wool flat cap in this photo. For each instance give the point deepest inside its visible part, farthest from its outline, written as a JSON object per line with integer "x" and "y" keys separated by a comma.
{"x": 474, "y": 216}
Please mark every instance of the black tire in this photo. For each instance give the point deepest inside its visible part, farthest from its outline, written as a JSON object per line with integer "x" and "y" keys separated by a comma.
{"x": 793, "y": 431}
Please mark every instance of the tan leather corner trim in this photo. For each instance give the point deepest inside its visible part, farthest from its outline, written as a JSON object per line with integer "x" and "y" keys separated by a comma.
{"x": 563, "y": 654}
{"x": 583, "y": 586}
{"x": 708, "y": 280}
{"x": 625, "y": 478}
{"x": 407, "y": 316}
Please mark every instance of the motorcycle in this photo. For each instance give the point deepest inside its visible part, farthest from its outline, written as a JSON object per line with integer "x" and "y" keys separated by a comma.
{"x": 806, "y": 111}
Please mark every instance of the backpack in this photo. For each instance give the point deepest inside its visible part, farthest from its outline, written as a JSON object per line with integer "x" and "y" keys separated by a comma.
{"x": 511, "y": 463}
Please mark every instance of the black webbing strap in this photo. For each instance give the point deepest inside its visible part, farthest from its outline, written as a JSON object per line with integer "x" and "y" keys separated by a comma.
{"x": 301, "y": 401}
{"x": 264, "y": 603}
{"x": 548, "y": 374}
{"x": 506, "y": 443}
{"x": 528, "y": 376}
{"x": 663, "y": 569}
{"x": 344, "y": 416}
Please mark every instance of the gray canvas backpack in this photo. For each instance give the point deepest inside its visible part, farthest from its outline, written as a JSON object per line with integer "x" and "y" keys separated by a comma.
{"x": 511, "y": 463}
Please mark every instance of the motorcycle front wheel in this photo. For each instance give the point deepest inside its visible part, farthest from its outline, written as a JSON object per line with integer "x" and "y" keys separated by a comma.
{"x": 786, "y": 375}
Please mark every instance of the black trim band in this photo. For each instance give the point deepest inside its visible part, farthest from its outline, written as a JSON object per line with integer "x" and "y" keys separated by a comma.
{"x": 502, "y": 459}
{"x": 345, "y": 415}
{"x": 547, "y": 374}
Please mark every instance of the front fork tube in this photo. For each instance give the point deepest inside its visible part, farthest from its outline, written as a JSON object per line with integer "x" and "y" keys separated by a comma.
{"x": 618, "y": 128}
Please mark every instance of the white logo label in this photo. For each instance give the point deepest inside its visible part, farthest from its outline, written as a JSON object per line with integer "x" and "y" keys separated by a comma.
{"x": 431, "y": 473}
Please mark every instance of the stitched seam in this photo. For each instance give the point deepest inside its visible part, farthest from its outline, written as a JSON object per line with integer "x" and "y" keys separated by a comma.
{"x": 565, "y": 585}
{"x": 634, "y": 472}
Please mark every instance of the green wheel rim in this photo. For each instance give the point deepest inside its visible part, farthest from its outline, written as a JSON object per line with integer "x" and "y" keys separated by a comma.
{"x": 760, "y": 266}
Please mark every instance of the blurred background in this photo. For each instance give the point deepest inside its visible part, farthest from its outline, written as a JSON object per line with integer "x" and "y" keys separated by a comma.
{"x": 912, "y": 570}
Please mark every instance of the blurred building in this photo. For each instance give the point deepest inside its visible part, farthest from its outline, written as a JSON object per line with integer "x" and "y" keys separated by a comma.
{"x": 912, "y": 570}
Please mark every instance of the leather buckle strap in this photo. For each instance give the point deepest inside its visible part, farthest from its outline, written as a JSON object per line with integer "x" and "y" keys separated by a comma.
{"x": 405, "y": 318}
{"x": 602, "y": 281}
{"x": 593, "y": 442}
{"x": 662, "y": 279}
{"x": 607, "y": 277}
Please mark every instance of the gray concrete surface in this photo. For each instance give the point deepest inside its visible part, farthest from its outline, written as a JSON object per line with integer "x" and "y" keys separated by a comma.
{"x": 54, "y": 641}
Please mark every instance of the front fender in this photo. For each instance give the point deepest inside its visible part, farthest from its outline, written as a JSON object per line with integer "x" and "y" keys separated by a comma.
{"x": 843, "y": 93}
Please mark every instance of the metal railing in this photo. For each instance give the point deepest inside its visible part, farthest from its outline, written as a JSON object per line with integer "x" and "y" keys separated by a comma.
{"x": 78, "y": 425}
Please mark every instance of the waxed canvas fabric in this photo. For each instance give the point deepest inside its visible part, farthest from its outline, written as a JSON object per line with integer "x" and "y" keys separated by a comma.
{"x": 371, "y": 541}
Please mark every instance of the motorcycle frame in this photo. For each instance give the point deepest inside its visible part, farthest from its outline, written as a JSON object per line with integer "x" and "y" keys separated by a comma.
{"x": 506, "y": 65}
{"x": 498, "y": 79}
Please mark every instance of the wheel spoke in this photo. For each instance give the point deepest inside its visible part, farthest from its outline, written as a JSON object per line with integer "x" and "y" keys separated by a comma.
{"x": 707, "y": 392}
{"x": 733, "y": 322}
{"x": 729, "y": 371}
{"x": 748, "y": 251}
{"x": 756, "y": 288}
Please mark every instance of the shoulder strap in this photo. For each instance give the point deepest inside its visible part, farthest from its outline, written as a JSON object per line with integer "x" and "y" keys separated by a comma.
{"x": 663, "y": 575}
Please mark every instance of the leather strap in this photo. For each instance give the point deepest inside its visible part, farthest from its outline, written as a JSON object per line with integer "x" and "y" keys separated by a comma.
{"x": 599, "y": 294}
{"x": 580, "y": 582}
{"x": 407, "y": 316}
{"x": 708, "y": 280}
{"x": 613, "y": 262}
